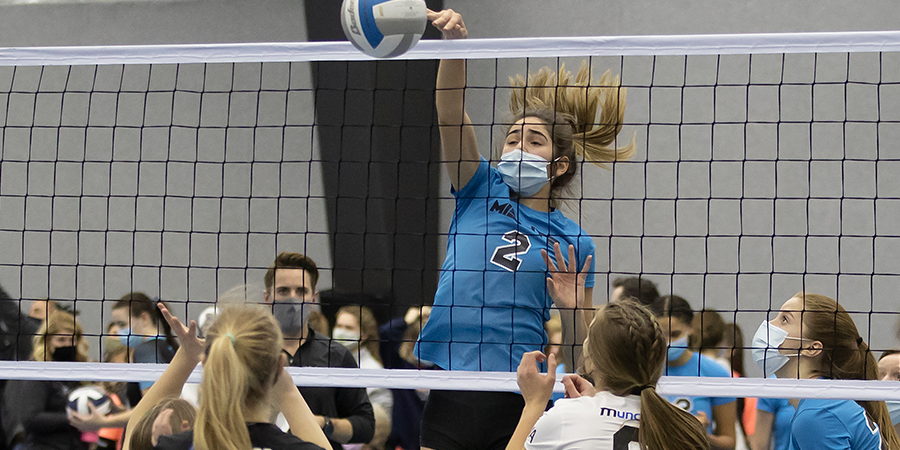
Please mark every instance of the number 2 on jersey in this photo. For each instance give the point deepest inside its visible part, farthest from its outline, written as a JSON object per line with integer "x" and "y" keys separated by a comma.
{"x": 507, "y": 256}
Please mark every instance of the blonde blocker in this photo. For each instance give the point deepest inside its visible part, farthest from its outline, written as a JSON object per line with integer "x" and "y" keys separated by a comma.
{"x": 236, "y": 375}
{"x": 628, "y": 347}
{"x": 845, "y": 355}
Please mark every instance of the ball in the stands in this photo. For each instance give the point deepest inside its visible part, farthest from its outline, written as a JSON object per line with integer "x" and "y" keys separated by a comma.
{"x": 79, "y": 399}
{"x": 383, "y": 28}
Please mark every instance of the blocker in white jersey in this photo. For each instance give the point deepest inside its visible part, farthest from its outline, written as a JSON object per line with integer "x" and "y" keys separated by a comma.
{"x": 602, "y": 422}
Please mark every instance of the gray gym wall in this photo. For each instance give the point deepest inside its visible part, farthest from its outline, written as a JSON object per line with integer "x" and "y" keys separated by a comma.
{"x": 770, "y": 227}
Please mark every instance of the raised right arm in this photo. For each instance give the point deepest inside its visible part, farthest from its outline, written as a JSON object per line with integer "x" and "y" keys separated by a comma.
{"x": 459, "y": 151}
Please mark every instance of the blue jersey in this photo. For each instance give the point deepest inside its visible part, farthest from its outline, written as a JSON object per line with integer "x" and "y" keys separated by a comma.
{"x": 492, "y": 300}
{"x": 699, "y": 366}
{"x": 833, "y": 424}
{"x": 783, "y": 413}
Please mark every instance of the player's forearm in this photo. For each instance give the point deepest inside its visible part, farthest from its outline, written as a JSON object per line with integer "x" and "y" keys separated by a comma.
{"x": 721, "y": 442}
{"x": 451, "y": 92}
{"x": 301, "y": 420}
{"x": 343, "y": 430}
{"x": 529, "y": 418}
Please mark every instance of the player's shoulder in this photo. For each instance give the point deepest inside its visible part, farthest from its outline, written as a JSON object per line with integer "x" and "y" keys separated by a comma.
{"x": 710, "y": 368}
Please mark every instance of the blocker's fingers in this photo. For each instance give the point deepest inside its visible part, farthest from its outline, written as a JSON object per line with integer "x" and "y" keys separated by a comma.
{"x": 550, "y": 265}
{"x": 572, "y": 266}
{"x": 559, "y": 258}
{"x": 453, "y": 21}
{"x": 587, "y": 264}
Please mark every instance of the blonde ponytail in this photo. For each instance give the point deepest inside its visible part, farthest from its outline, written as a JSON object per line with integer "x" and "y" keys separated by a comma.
{"x": 243, "y": 351}
{"x": 577, "y": 102}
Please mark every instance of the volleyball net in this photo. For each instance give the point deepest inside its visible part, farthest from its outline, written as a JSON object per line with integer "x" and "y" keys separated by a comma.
{"x": 764, "y": 167}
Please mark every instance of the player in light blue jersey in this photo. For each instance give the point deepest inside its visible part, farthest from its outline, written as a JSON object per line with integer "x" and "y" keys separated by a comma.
{"x": 718, "y": 414}
{"x": 492, "y": 298}
{"x": 814, "y": 337}
{"x": 773, "y": 424}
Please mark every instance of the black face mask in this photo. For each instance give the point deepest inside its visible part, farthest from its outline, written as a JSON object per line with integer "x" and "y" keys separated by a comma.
{"x": 65, "y": 354}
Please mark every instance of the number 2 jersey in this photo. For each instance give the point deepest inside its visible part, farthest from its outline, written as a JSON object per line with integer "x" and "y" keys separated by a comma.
{"x": 492, "y": 299}
{"x": 602, "y": 422}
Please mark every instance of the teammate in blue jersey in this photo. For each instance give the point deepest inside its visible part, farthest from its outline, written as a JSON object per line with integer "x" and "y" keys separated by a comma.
{"x": 718, "y": 414}
{"x": 814, "y": 337}
{"x": 773, "y": 424}
{"x": 492, "y": 298}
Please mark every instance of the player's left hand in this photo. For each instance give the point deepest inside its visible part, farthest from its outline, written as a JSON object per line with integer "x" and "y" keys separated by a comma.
{"x": 92, "y": 421}
{"x": 565, "y": 285}
{"x": 536, "y": 387}
{"x": 187, "y": 335}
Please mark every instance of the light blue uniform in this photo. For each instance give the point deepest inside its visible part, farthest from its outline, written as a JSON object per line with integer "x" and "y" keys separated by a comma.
{"x": 833, "y": 424}
{"x": 492, "y": 300}
{"x": 783, "y": 413}
{"x": 699, "y": 366}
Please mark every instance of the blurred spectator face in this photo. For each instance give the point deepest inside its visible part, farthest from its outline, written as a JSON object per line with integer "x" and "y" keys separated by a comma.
{"x": 889, "y": 367}
{"x": 347, "y": 322}
{"x": 55, "y": 341}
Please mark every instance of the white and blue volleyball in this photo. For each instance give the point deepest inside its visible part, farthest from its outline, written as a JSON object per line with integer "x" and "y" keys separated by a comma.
{"x": 383, "y": 28}
{"x": 81, "y": 397}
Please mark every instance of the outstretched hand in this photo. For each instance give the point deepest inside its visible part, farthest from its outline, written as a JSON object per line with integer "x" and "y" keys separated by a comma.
{"x": 449, "y": 22}
{"x": 187, "y": 335}
{"x": 536, "y": 387}
{"x": 565, "y": 285}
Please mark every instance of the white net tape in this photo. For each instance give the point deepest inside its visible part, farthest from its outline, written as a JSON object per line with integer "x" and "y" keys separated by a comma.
{"x": 465, "y": 380}
{"x": 734, "y": 44}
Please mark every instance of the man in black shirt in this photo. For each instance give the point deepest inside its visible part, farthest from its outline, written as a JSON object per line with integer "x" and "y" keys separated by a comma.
{"x": 344, "y": 414}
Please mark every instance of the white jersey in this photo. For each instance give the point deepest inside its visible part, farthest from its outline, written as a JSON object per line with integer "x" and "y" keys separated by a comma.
{"x": 602, "y": 422}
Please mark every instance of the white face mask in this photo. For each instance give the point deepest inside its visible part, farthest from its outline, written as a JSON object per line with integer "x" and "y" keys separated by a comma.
{"x": 524, "y": 172}
{"x": 345, "y": 337}
{"x": 765, "y": 345}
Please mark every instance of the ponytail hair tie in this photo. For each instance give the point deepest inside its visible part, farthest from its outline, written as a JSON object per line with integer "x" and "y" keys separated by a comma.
{"x": 230, "y": 336}
{"x": 646, "y": 386}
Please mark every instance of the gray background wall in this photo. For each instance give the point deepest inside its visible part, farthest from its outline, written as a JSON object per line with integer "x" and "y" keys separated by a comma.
{"x": 764, "y": 210}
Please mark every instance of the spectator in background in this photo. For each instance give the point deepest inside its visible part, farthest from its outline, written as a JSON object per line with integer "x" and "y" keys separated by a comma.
{"x": 16, "y": 336}
{"x": 889, "y": 370}
{"x": 706, "y": 337}
{"x": 356, "y": 329}
{"x": 139, "y": 322}
{"x": 110, "y": 438}
{"x": 642, "y": 290}
{"x": 733, "y": 344}
{"x": 717, "y": 414}
{"x": 398, "y": 338}
{"x": 34, "y": 412}
{"x": 205, "y": 320}
{"x": 344, "y": 414}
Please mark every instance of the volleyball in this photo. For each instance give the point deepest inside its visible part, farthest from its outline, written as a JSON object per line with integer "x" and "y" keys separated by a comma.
{"x": 81, "y": 397}
{"x": 383, "y": 28}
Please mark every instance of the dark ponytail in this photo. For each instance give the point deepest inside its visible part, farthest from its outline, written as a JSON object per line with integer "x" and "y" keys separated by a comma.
{"x": 628, "y": 348}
